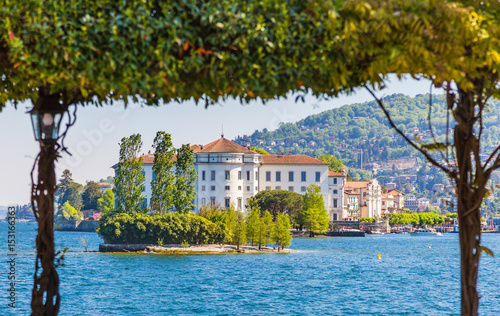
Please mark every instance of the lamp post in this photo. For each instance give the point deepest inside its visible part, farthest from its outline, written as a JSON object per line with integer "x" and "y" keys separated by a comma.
{"x": 46, "y": 120}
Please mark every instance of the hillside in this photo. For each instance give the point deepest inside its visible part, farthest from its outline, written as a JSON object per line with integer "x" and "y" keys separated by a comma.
{"x": 347, "y": 130}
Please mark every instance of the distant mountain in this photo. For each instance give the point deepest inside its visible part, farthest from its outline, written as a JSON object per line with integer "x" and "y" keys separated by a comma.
{"x": 350, "y": 129}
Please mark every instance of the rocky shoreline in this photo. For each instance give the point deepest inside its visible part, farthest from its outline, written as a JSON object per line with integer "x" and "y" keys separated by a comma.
{"x": 192, "y": 249}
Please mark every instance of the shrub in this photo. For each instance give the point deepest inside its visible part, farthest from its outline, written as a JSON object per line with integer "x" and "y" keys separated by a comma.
{"x": 172, "y": 228}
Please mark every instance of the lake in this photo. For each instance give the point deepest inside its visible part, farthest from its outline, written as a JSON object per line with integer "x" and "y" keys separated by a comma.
{"x": 329, "y": 276}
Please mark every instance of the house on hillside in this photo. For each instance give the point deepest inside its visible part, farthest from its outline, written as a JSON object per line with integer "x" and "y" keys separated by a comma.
{"x": 103, "y": 186}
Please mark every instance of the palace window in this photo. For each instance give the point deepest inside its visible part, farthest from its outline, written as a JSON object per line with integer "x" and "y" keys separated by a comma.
{"x": 228, "y": 175}
{"x": 212, "y": 188}
{"x": 268, "y": 175}
{"x": 290, "y": 189}
{"x": 303, "y": 189}
{"x": 203, "y": 188}
{"x": 203, "y": 201}
{"x": 239, "y": 175}
{"x": 278, "y": 188}
{"x": 268, "y": 188}
{"x": 212, "y": 200}
{"x": 248, "y": 188}
{"x": 203, "y": 175}
{"x": 334, "y": 180}
{"x": 227, "y": 188}
{"x": 303, "y": 176}
{"x": 248, "y": 175}
{"x": 227, "y": 202}
{"x": 278, "y": 176}
{"x": 290, "y": 176}
{"x": 212, "y": 175}
{"x": 318, "y": 176}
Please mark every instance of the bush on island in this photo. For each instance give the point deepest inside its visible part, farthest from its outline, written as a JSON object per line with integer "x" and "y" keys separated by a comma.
{"x": 172, "y": 228}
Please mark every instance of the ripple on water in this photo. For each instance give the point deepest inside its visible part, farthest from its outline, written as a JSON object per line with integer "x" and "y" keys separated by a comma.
{"x": 331, "y": 276}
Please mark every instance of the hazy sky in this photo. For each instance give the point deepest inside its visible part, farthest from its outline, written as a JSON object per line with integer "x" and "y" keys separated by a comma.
{"x": 93, "y": 140}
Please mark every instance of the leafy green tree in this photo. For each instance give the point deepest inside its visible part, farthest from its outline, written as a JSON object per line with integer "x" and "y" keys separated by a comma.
{"x": 68, "y": 212}
{"x": 281, "y": 234}
{"x": 90, "y": 196}
{"x": 185, "y": 177}
{"x": 73, "y": 195}
{"x": 239, "y": 233}
{"x": 64, "y": 182}
{"x": 230, "y": 217}
{"x": 253, "y": 222}
{"x": 163, "y": 183}
{"x": 106, "y": 204}
{"x": 451, "y": 215}
{"x": 236, "y": 227}
{"x": 129, "y": 179}
{"x": 367, "y": 219}
{"x": 336, "y": 164}
{"x": 265, "y": 229}
{"x": 314, "y": 215}
{"x": 280, "y": 201}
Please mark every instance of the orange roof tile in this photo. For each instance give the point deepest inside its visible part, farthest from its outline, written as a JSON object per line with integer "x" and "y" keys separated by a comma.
{"x": 387, "y": 195}
{"x": 196, "y": 148}
{"x": 223, "y": 145}
{"x": 335, "y": 174}
{"x": 394, "y": 191}
{"x": 356, "y": 184}
{"x": 104, "y": 184}
{"x": 291, "y": 160}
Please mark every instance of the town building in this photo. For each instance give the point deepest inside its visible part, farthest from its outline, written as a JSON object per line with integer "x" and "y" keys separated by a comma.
{"x": 411, "y": 202}
{"x": 103, "y": 186}
{"x": 393, "y": 202}
{"x": 369, "y": 199}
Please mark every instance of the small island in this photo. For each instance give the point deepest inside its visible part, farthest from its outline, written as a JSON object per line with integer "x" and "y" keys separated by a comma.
{"x": 177, "y": 249}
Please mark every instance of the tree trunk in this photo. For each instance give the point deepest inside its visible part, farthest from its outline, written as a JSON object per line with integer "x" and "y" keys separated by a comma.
{"x": 470, "y": 239}
{"x": 46, "y": 283}
{"x": 469, "y": 197}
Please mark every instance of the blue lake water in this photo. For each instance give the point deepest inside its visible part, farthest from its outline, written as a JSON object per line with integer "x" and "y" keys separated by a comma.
{"x": 330, "y": 276}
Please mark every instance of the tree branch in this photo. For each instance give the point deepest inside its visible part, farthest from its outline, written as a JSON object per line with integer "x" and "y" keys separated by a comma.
{"x": 449, "y": 172}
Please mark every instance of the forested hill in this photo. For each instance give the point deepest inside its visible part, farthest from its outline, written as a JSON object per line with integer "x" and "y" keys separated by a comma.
{"x": 347, "y": 130}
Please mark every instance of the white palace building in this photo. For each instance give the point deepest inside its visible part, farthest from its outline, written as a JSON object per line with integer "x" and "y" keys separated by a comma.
{"x": 230, "y": 174}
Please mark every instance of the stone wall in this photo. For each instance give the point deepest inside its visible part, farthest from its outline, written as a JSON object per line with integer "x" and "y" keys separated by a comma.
{"x": 77, "y": 226}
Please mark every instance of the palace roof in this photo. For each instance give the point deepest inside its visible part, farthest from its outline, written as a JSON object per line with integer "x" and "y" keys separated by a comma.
{"x": 223, "y": 145}
{"x": 291, "y": 160}
{"x": 335, "y": 174}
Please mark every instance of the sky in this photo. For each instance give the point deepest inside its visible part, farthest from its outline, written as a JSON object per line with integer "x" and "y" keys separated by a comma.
{"x": 94, "y": 139}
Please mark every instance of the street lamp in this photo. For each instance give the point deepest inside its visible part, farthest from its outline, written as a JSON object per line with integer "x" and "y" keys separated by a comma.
{"x": 46, "y": 117}
{"x": 46, "y": 124}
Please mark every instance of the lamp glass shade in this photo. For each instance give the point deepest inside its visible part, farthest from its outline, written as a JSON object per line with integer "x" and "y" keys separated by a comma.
{"x": 46, "y": 124}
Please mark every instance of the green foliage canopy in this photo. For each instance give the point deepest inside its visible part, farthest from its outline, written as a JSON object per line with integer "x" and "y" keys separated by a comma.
{"x": 90, "y": 196}
{"x": 129, "y": 179}
{"x": 73, "y": 195}
{"x": 185, "y": 176}
{"x": 172, "y": 228}
{"x": 106, "y": 203}
{"x": 280, "y": 201}
{"x": 163, "y": 183}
